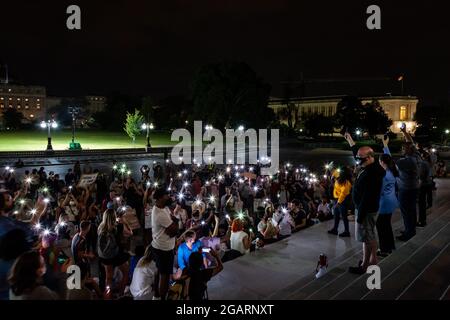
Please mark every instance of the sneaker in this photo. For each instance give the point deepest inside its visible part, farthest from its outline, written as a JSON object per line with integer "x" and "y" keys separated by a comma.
{"x": 357, "y": 270}
{"x": 345, "y": 234}
{"x": 333, "y": 231}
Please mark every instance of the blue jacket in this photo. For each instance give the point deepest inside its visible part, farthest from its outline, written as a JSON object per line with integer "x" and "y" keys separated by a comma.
{"x": 388, "y": 197}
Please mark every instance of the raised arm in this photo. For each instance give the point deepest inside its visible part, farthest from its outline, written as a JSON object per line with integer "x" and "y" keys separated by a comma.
{"x": 406, "y": 135}
{"x": 386, "y": 146}
{"x": 351, "y": 143}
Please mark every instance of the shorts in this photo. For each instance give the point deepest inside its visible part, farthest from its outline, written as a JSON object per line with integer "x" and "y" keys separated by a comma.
{"x": 163, "y": 260}
{"x": 117, "y": 261}
{"x": 365, "y": 231}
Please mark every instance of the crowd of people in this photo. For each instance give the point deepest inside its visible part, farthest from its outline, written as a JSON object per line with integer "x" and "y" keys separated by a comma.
{"x": 164, "y": 232}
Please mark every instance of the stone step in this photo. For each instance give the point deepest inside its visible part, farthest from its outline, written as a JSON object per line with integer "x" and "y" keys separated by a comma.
{"x": 432, "y": 283}
{"x": 338, "y": 277}
{"x": 358, "y": 288}
{"x": 406, "y": 273}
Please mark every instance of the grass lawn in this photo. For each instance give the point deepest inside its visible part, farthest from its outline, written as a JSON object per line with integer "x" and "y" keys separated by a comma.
{"x": 36, "y": 140}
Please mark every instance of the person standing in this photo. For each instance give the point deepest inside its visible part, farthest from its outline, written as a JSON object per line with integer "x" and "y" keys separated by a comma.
{"x": 408, "y": 185}
{"x": 425, "y": 187}
{"x": 388, "y": 202}
{"x": 341, "y": 192}
{"x": 366, "y": 197}
{"x": 164, "y": 232}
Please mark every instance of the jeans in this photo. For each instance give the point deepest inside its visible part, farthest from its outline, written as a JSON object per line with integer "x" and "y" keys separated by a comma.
{"x": 341, "y": 211}
{"x": 408, "y": 207}
{"x": 385, "y": 234}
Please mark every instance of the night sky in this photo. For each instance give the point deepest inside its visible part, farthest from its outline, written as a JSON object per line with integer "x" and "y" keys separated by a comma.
{"x": 154, "y": 47}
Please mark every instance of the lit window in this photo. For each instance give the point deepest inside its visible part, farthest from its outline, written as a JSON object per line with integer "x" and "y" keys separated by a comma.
{"x": 38, "y": 100}
{"x": 18, "y": 106}
{"x": 31, "y": 115}
{"x": 38, "y": 107}
{"x": 10, "y": 99}
{"x": 26, "y": 107}
{"x": 10, "y": 105}
{"x": 26, "y": 99}
{"x": 2, "y": 106}
{"x": 403, "y": 113}
{"x": 9, "y": 90}
{"x": 2, "y": 98}
{"x": 18, "y": 99}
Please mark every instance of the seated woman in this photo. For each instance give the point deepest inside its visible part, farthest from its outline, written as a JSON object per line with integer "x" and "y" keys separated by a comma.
{"x": 144, "y": 277}
{"x": 299, "y": 215}
{"x": 240, "y": 240}
{"x": 266, "y": 230}
{"x": 26, "y": 276}
{"x": 324, "y": 210}
{"x": 199, "y": 277}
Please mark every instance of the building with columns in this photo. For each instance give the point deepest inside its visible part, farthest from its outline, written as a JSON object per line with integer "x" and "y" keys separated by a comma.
{"x": 399, "y": 108}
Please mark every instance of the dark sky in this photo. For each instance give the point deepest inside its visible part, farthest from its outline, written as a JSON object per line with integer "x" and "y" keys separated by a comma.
{"x": 154, "y": 47}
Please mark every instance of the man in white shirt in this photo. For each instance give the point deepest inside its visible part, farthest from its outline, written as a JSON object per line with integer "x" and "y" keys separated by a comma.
{"x": 164, "y": 231}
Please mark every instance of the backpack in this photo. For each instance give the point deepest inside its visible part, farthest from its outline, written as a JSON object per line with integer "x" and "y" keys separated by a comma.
{"x": 107, "y": 246}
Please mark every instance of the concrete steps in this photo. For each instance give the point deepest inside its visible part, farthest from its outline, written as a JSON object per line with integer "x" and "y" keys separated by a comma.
{"x": 415, "y": 261}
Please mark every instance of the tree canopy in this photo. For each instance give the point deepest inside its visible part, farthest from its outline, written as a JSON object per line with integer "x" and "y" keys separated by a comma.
{"x": 12, "y": 118}
{"x": 370, "y": 118}
{"x": 229, "y": 94}
{"x": 133, "y": 123}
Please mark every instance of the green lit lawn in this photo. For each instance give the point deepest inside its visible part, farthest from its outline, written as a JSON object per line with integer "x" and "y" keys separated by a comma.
{"x": 37, "y": 140}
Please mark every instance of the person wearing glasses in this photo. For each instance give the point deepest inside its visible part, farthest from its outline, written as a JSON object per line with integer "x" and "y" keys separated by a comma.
{"x": 366, "y": 197}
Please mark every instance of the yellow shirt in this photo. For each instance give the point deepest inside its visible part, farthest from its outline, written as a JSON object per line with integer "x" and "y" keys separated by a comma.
{"x": 341, "y": 191}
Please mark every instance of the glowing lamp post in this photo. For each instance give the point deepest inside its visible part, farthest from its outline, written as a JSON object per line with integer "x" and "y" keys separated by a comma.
{"x": 148, "y": 127}
{"x": 49, "y": 124}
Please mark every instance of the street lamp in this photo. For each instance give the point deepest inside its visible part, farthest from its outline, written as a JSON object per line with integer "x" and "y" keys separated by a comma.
{"x": 49, "y": 124}
{"x": 74, "y": 111}
{"x": 447, "y": 131}
{"x": 241, "y": 128}
{"x": 148, "y": 127}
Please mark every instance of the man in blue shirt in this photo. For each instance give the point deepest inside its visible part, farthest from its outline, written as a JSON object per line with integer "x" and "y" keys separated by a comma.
{"x": 189, "y": 245}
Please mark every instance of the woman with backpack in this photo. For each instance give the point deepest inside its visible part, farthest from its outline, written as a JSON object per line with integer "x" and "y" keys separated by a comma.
{"x": 110, "y": 251}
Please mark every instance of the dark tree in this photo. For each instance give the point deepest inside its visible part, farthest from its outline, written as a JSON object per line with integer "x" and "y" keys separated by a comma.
{"x": 12, "y": 118}
{"x": 376, "y": 121}
{"x": 114, "y": 116}
{"x": 432, "y": 121}
{"x": 174, "y": 112}
{"x": 229, "y": 94}
{"x": 316, "y": 123}
{"x": 61, "y": 112}
{"x": 370, "y": 117}
{"x": 147, "y": 109}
